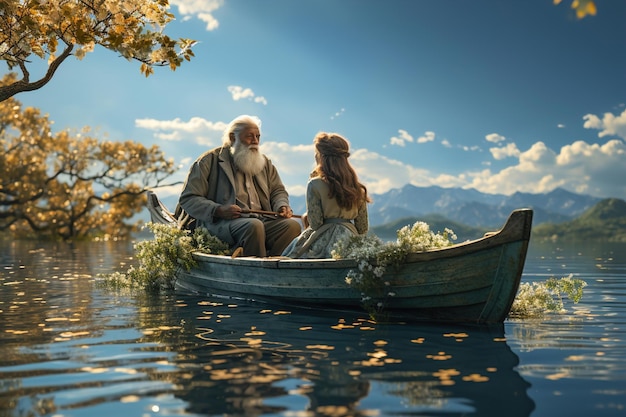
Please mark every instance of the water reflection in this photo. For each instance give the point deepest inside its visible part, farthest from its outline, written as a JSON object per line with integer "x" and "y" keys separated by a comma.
{"x": 66, "y": 345}
{"x": 244, "y": 360}
{"x": 46, "y": 287}
{"x": 68, "y": 348}
{"x": 575, "y": 359}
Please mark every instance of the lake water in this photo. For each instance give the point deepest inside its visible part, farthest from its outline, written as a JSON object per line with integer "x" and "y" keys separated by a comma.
{"x": 69, "y": 348}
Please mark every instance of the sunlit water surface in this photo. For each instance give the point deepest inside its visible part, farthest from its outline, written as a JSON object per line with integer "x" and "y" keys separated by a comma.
{"x": 69, "y": 348}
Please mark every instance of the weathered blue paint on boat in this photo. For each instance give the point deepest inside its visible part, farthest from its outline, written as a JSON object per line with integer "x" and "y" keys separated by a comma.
{"x": 474, "y": 281}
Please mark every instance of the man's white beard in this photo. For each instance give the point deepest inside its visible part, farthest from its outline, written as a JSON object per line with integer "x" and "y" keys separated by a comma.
{"x": 247, "y": 160}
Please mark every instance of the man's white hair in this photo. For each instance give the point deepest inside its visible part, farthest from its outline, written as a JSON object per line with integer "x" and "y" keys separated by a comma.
{"x": 238, "y": 124}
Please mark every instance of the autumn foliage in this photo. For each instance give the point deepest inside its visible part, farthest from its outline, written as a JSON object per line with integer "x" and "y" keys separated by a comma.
{"x": 582, "y": 7}
{"x": 70, "y": 185}
{"x": 52, "y": 30}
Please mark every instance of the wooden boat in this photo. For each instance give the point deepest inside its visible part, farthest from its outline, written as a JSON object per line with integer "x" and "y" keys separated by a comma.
{"x": 470, "y": 282}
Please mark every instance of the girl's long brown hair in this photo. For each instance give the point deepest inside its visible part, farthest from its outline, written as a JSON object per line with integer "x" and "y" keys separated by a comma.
{"x": 331, "y": 155}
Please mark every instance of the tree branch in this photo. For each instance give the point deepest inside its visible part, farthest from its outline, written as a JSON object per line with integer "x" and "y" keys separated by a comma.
{"x": 24, "y": 85}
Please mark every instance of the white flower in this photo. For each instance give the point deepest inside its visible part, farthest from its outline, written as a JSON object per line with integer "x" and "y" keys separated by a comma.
{"x": 372, "y": 256}
{"x": 379, "y": 271}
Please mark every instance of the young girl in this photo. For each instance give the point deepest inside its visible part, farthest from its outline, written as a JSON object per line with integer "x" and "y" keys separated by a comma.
{"x": 336, "y": 201}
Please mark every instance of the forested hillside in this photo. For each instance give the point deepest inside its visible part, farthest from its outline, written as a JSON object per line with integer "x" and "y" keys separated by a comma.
{"x": 604, "y": 221}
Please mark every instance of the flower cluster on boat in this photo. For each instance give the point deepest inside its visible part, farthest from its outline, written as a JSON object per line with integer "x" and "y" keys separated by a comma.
{"x": 375, "y": 257}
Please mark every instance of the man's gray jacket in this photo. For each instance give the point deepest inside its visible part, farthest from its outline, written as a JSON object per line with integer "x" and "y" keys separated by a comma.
{"x": 211, "y": 183}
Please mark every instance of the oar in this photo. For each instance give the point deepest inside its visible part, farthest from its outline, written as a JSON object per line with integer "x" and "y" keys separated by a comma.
{"x": 267, "y": 213}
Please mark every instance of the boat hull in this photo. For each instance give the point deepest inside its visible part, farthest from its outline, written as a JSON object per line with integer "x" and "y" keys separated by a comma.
{"x": 471, "y": 282}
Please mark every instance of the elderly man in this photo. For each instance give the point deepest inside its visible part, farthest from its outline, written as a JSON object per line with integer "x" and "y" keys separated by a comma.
{"x": 227, "y": 183}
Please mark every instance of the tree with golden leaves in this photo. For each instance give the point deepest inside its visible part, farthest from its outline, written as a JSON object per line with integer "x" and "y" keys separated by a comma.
{"x": 582, "y": 7}
{"x": 53, "y": 30}
{"x": 67, "y": 185}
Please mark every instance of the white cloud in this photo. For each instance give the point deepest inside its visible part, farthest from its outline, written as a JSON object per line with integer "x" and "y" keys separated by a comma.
{"x": 239, "y": 93}
{"x": 171, "y": 190}
{"x": 495, "y": 138}
{"x": 402, "y": 138}
{"x": 291, "y": 159}
{"x": 199, "y": 130}
{"x": 510, "y": 150}
{"x": 380, "y": 174}
{"x": 211, "y": 22}
{"x": 580, "y": 167}
{"x": 447, "y": 144}
{"x": 608, "y": 125}
{"x": 426, "y": 137}
{"x": 171, "y": 137}
{"x": 337, "y": 114}
{"x": 202, "y": 9}
{"x": 187, "y": 161}
{"x": 539, "y": 155}
{"x": 394, "y": 140}
{"x": 195, "y": 124}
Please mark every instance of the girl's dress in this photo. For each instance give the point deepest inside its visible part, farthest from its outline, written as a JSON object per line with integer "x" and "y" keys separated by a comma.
{"x": 328, "y": 223}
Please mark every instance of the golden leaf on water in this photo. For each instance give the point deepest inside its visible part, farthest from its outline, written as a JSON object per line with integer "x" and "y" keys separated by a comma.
{"x": 446, "y": 374}
{"x": 74, "y": 334}
{"x": 557, "y": 376}
{"x": 92, "y": 370}
{"x": 378, "y": 354}
{"x": 321, "y": 347}
{"x": 342, "y": 326}
{"x": 475, "y": 378}
{"x": 51, "y": 319}
{"x": 440, "y": 356}
{"x": 367, "y": 328}
{"x": 130, "y": 399}
{"x": 456, "y": 335}
{"x": 17, "y": 332}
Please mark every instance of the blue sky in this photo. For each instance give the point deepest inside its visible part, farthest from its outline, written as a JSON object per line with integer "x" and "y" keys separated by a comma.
{"x": 496, "y": 95}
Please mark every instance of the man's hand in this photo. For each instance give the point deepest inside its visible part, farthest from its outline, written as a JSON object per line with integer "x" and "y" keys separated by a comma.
{"x": 228, "y": 212}
{"x": 286, "y": 212}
